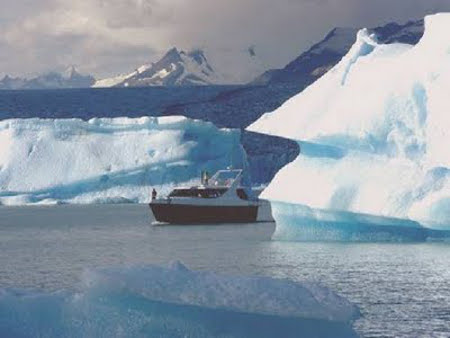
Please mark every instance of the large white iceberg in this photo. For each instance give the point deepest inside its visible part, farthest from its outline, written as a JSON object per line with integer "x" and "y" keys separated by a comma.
{"x": 108, "y": 159}
{"x": 157, "y": 301}
{"x": 374, "y": 134}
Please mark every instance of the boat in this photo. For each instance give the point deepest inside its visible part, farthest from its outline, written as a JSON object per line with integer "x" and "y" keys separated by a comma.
{"x": 220, "y": 199}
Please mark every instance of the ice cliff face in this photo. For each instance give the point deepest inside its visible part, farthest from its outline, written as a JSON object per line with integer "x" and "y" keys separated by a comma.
{"x": 373, "y": 133}
{"x": 108, "y": 159}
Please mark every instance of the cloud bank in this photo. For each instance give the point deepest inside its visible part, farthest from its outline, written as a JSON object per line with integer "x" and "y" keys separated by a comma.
{"x": 103, "y": 37}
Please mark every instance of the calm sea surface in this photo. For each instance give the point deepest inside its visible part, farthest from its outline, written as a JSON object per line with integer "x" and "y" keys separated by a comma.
{"x": 403, "y": 290}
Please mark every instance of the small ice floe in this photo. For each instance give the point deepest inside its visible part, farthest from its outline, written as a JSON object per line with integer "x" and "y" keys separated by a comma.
{"x": 174, "y": 301}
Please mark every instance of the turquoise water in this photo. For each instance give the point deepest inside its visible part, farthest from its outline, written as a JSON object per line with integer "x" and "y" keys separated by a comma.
{"x": 403, "y": 290}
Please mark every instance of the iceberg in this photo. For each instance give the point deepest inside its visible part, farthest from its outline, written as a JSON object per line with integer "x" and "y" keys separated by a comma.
{"x": 105, "y": 160}
{"x": 374, "y": 134}
{"x": 173, "y": 301}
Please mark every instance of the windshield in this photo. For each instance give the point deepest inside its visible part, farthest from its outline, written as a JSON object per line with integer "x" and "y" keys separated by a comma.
{"x": 225, "y": 177}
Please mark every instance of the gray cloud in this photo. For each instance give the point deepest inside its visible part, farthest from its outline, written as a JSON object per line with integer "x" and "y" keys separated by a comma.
{"x": 108, "y": 36}
{"x": 134, "y": 13}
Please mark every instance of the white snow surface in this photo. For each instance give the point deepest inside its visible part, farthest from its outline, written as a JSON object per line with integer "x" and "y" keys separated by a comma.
{"x": 112, "y": 81}
{"x": 374, "y": 131}
{"x": 177, "y": 284}
{"x": 115, "y": 80}
{"x": 108, "y": 159}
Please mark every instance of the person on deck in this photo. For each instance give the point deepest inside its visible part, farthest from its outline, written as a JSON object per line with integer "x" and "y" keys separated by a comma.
{"x": 206, "y": 178}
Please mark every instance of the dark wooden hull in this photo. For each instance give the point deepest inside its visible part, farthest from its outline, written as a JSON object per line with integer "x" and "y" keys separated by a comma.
{"x": 194, "y": 214}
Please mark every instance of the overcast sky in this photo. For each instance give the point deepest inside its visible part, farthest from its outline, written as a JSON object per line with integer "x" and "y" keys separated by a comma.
{"x": 103, "y": 37}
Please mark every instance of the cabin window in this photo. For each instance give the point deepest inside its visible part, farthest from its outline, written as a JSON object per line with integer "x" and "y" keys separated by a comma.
{"x": 242, "y": 194}
{"x": 202, "y": 193}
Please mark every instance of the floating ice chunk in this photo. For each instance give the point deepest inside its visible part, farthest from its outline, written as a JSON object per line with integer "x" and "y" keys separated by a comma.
{"x": 108, "y": 159}
{"x": 373, "y": 133}
{"x": 177, "y": 284}
{"x": 177, "y": 302}
{"x": 393, "y": 101}
{"x": 302, "y": 223}
{"x": 364, "y": 183}
{"x": 356, "y": 105}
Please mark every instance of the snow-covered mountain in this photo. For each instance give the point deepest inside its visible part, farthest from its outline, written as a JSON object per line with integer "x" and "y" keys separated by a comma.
{"x": 180, "y": 68}
{"x": 9, "y": 82}
{"x": 176, "y": 68}
{"x": 113, "y": 81}
{"x": 323, "y": 56}
{"x": 70, "y": 78}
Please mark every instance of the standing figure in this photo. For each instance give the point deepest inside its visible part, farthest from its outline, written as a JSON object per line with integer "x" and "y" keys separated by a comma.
{"x": 154, "y": 194}
{"x": 206, "y": 178}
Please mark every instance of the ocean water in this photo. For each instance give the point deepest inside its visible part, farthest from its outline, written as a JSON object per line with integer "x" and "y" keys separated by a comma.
{"x": 218, "y": 104}
{"x": 403, "y": 290}
{"x": 102, "y": 102}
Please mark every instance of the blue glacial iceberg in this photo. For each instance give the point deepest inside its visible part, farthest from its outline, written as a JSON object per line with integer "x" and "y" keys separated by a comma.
{"x": 374, "y": 134}
{"x": 108, "y": 159}
{"x": 155, "y": 301}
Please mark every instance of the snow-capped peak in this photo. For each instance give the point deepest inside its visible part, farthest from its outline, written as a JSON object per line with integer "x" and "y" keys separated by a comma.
{"x": 70, "y": 72}
{"x": 70, "y": 78}
{"x": 175, "y": 68}
{"x": 195, "y": 67}
{"x": 8, "y": 82}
